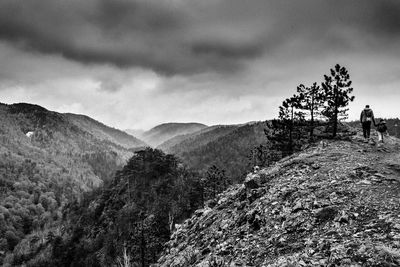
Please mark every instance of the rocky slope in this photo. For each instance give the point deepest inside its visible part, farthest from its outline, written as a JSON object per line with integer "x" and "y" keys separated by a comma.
{"x": 334, "y": 204}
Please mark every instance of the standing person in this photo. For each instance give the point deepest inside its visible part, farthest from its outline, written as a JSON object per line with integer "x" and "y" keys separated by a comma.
{"x": 381, "y": 128}
{"x": 366, "y": 118}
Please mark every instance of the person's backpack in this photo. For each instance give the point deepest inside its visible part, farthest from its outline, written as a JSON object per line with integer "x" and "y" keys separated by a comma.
{"x": 368, "y": 115}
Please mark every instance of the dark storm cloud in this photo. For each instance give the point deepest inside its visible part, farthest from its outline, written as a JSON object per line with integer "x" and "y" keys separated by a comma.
{"x": 118, "y": 32}
{"x": 227, "y": 50}
{"x": 387, "y": 18}
{"x": 123, "y": 16}
{"x": 186, "y": 37}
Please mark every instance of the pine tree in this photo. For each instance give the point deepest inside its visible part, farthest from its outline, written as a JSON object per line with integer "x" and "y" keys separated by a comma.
{"x": 288, "y": 124}
{"x": 286, "y": 117}
{"x": 311, "y": 100}
{"x": 215, "y": 182}
{"x": 337, "y": 96}
{"x": 262, "y": 155}
{"x": 291, "y": 115}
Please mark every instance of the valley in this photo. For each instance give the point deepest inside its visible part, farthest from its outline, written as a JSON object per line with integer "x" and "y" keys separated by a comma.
{"x": 55, "y": 167}
{"x": 75, "y": 192}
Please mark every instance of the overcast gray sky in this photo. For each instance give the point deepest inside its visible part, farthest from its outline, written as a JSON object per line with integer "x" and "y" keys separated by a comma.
{"x": 137, "y": 63}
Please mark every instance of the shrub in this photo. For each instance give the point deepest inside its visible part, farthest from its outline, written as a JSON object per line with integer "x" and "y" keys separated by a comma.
{"x": 12, "y": 239}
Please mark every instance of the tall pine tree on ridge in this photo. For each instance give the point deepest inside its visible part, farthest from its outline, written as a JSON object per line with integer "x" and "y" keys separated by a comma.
{"x": 337, "y": 92}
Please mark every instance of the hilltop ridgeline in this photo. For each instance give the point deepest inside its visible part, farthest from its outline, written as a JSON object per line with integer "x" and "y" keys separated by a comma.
{"x": 334, "y": 204}
{"x": 224, "y": 146}
{"x": 165, "y": 131}
{"x": 105, "y": 132}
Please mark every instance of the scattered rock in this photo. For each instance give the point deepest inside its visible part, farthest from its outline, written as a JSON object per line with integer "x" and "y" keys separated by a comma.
{"x": 330, "y": 205}
{"x": 252, "y": 182}
{"x": 326, "y": 214}
{"x": 367, "y": 182}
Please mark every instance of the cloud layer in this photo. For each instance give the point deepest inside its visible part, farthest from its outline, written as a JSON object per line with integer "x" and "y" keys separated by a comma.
{"x": 200, "y": 52}
{"x": 173, "y": 37}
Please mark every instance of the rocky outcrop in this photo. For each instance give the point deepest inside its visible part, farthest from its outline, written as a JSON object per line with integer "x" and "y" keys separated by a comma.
{"x": 334, "y": 204}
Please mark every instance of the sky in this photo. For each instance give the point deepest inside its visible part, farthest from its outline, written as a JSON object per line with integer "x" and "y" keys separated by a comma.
{"x": 133, "y": 64}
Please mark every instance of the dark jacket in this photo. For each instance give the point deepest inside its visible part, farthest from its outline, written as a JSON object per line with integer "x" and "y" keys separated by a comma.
{"x": 381, "y": 127}
{"x": 367, "y": 115}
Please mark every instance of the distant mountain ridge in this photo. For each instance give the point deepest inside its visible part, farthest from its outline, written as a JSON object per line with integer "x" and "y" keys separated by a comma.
{"x": 225, "y": 146}
{"x": 135, "y": 132}
{"x": 58, "y": 133}
{"x": 102, "y": 131}
{"x": 166, "y": 131}
{"x": 187, "y": 142}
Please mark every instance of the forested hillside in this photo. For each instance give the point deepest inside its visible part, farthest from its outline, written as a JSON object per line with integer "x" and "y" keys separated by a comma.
{"x": 50, "y": 161}
{"x": 133, "y": 216}
{"x": 165, "y": 131}
{"x": 46, "y": 160}
{"x": 103, "y": 132}
{"x": 226, "y": 147}
{"x": 186, "y": 142}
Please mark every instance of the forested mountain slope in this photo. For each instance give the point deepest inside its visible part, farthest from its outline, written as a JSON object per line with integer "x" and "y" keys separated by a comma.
{"x": 334, "y": 204}
{"x": 103, "y": 132}
{"x": 46, "y": 160}
{"x": 226, "y": 147}
{"x": 165, "y": 131}
{"x": 134, "y": 213}
{"x": 135, "y": 132}
{"x": 186, "y": 142}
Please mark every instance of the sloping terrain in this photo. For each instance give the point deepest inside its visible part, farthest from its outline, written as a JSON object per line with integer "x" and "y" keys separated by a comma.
{"x": 334, "y": 204}
{"x": 226, "y": 147}
{"x": 103, "y": 132}
{"x": 165, "y": 131}
{"x": 133, "y": 213}
{"x": 46, "y": 160}
{"x": 187, "y": 142}
{"x": 135, "y": 132}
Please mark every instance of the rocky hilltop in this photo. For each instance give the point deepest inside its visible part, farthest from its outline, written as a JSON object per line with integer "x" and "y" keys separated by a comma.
{"x": 334, "y": 204}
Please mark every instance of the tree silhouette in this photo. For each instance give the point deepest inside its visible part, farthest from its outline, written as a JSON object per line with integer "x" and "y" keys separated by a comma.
{"x": 291, "y": 116}
{"x": 310, "y": 99}
{"x": 286, "y": 127}
{"x": 336, "y": 92}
